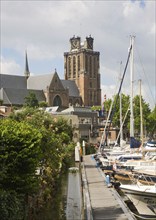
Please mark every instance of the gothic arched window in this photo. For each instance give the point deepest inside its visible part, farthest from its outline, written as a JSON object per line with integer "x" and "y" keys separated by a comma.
{"x": 69, "y": 66}
{"x": 74, "y": 67}
{"x": 86, "y": 63}
{"x": 90, "y": 66}
{"x": 57, "y": 101}
{"x": 78, "y": 66}
{"x": 94, "y": 67}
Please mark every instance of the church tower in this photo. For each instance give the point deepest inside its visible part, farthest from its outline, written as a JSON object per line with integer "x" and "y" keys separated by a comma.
{"x": 26, "y": 72}
{"x": 81, "y": 64}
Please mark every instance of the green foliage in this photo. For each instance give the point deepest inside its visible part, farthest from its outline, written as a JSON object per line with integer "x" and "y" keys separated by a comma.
{"x": 68, "y": 155}
{"x": 21, "y": 114}
{"x": 90, "y": 149}
{"x": 60, "y": 126}
{"x": 125, "y": 106}
{"x": 11, "y": 205}
{"x": 107, "y": 105}
{"x": 19, "y": 156}
{"x": 96, "y": 108}
{"x": 32, "y": 139}
{"x": 43, "y": 104}
{"x": 145, "y": 113}
{"x": 151, "y": 125}
{"x": 1, "y": 102}
{"x": 31, "y": 100}
{"x": 116, "y": 113}
{"x": 35, "y": 117}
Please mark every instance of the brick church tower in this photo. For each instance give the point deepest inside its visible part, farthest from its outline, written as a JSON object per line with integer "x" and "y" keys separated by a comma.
{"x": 81, "y": 64}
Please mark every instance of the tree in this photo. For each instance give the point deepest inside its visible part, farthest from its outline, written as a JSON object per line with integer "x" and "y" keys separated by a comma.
{"x": 145, "y": 113}
{"x": 11, "y": 205}
{"x": 19, "y": 156}
{"x": 1, "y": 102}
{"x": 43, "y": 104}
{"x": 96, "y": 108}
{"x": 31, "y": 138}
{"x": 31, "y": 100}
{"x": 115, "y": 114}
{"x": 125, "y": 106}
{"x": 56, "y": 142}
{"x": 107, "y": 105}
{"x": 151, "y": 126}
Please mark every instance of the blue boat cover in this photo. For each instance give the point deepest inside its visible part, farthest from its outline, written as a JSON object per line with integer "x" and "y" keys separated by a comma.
{"x": 134, "y": 143}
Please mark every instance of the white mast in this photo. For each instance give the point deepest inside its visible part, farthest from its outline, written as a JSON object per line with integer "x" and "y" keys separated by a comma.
{"x": 121, "y": 127}
{"x": 141, "y": 117}
{"x": 131, "y": 85}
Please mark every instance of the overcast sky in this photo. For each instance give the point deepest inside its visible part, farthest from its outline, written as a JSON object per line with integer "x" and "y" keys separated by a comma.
{"x": 44, "y": 28}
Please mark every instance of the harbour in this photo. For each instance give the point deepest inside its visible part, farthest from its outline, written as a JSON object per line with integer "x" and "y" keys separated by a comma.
{"x": 105, "y": 202}
{"x": 83, "y": 91}
{"x": 105, "y": 199}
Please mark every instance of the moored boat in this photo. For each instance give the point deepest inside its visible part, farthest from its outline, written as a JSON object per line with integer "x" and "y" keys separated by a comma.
{"x": 147, "y": 177}
{"x": 143, "y": 197}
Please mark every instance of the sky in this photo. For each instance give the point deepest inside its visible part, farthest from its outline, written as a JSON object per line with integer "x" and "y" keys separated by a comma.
{"x": 44, "y": 28}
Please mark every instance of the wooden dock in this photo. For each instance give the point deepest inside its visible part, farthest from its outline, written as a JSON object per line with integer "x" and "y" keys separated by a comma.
{"x": 100, "y": 201}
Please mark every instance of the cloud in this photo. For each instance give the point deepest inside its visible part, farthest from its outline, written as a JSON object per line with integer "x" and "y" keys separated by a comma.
{"x": 141, "y": 3}
{"x": 109, "y": 91}
{"x": 45, "y": 27}
{"x": 153, "y": 29}
{"x": 9, "y": 66}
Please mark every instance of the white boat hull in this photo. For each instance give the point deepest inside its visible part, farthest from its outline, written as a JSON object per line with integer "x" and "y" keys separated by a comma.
{"x": 143, "y": 198}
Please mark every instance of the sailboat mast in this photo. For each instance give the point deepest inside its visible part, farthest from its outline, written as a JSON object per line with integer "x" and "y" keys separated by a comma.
{"x": 121, "y": 133}
{"x": 141, "y": 117}
{"x": 131, "y": 85}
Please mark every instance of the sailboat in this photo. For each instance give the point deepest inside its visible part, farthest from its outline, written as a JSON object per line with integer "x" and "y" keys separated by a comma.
{"x": 116, "y": 151}
{"x": 142, "y": 196}
{"x": 133, "y": 142}
{"x": 122, "y": 121}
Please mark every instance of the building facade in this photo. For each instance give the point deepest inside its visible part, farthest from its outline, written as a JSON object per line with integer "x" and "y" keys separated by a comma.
{"x": 82, "y": 64}
{"x": 81, "y": 86}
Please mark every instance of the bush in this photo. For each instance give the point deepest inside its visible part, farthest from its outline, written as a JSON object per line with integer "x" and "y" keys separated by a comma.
{"x": 11, "y": 205}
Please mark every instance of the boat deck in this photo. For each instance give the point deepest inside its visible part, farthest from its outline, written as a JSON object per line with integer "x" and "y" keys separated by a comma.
{"x": 101, "y": 201}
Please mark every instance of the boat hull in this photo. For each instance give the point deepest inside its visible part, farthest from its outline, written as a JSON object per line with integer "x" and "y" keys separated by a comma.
{"x": 143, "y": 199}
{"x": 128, "y": 177}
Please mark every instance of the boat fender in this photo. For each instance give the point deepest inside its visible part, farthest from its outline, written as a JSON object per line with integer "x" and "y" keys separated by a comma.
{"x": 108, "y": 180}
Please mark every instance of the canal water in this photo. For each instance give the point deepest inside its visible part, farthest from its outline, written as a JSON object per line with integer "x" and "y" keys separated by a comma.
{"x": 56, "y": 209}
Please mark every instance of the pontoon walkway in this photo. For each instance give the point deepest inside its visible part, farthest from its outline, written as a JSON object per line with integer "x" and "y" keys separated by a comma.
{"x": 101, "y": 202}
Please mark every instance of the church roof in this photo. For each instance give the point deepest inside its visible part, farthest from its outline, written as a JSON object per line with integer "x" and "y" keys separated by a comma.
{"x": 17, "y": 96}
{"x": 12, "y": 81}
{"x": 14, "y": 88}
{"x": 39, "y": 82}
{"x": 71, "y": 85}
